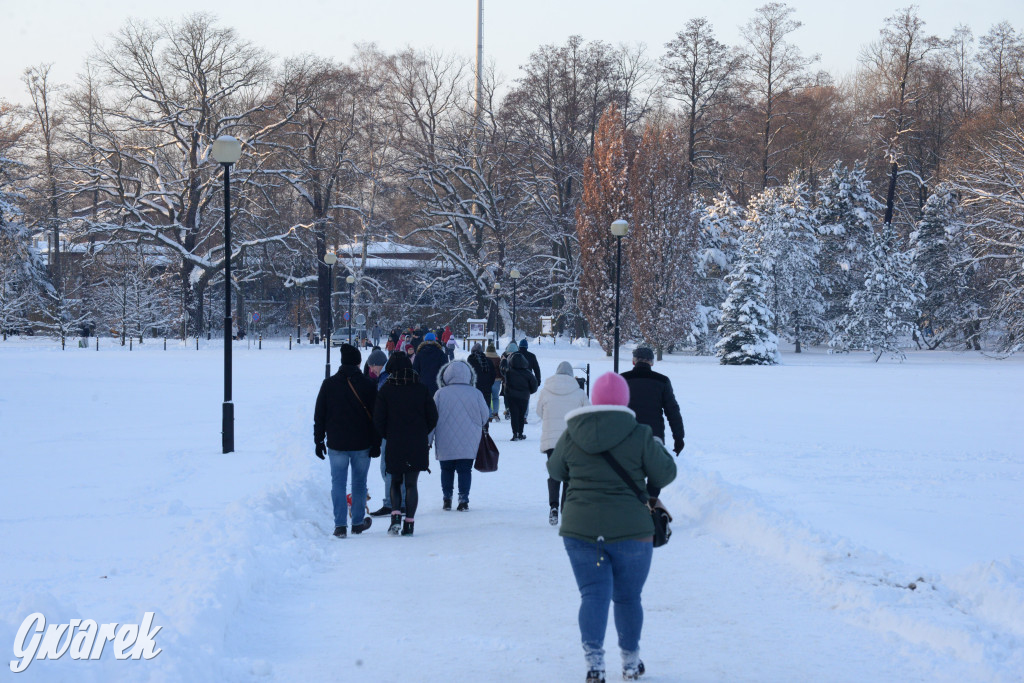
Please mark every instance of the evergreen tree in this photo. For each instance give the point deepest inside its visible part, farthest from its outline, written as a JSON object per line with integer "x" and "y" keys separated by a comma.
{"x": 845, "y": 212}
{"x": 719, "y": 226}
{"x": 884, "y": 310}
{"x": 940, "y": 256}
{"x": 745, "y": 328}
{"x": 781, "y": 220}
{"x": 22, "y": 273}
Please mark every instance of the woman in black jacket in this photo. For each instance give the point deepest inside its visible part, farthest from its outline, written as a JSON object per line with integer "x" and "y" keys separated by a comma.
{"x": 520, "y": 382}
{"x": 404, "y": 414}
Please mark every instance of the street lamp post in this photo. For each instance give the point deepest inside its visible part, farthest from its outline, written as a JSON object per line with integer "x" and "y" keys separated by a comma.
{"x": 497, "y": 292}
{"x": 226, "y": 151}
{"x": 350, "y": 280}
{"x": 330, "y": 258}
{"x": 619, "y": 229}
{"x": 515, "y": 275}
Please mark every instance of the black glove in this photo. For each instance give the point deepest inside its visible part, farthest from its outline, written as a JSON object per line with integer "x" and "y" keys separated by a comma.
{"x": 321, "y": 450}
{"x": 678, "y": 446}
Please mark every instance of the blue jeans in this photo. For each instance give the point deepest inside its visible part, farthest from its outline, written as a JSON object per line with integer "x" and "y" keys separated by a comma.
{"x": 464, "y": 466}
{"x": 340, "y": 462}
{"x": 387, "y": 480}
{"x": 495, "y": 398}
{"x": 610, "y": 572}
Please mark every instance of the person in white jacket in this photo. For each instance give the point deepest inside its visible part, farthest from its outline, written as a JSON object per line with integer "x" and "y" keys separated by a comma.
{"x": 560, "y": 394}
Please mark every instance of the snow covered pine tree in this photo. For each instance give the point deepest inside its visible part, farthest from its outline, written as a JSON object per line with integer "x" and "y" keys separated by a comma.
{"x": 745, "y": 327}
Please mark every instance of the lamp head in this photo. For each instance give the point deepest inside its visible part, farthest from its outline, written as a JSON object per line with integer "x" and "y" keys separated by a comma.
{"x": 330, "y": 258}
{"x": 620, "y": 228}
{"x": 350, "y": 279}
{"x": 227, "y": 150}
{"x": 515, "y": 274}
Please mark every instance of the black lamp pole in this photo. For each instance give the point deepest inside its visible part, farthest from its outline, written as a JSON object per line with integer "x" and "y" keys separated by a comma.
{"x": 330, "y": 312}
{"x": 226, "y": 150}
{"x": 619, "y": 230}
{"x": 515, "y": 279}
{"x": 350, "y": 280}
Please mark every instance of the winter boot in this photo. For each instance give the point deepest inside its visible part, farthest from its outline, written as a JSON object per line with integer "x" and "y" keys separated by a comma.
{"x": 447, "y": 504}
{"x": 407, "y": 527}
{"x": 396, "y": 524}
{"x": 506, "y": 414}
{"x": 463, "y": 506}
{"x": 631, "y": 673}
{"x": 360, "y": 528}
{"x": 595, "y": 676}
{"x": 340, "y": 531}
{"x": 553, "y": 517}
{"x": 384, "y": 511}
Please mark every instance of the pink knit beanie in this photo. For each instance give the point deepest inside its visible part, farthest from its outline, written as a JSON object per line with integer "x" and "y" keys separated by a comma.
{"x": 610, "y": 389}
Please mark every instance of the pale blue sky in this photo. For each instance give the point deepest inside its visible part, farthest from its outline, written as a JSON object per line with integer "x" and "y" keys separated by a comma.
{"x": 65, "y": 32}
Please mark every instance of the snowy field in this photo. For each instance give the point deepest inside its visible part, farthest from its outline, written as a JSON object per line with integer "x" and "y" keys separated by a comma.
{"x": 835, "y": 520}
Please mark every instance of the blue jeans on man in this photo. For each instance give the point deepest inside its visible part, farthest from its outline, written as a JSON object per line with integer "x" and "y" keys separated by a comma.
{"x": 359, "y": 461}
{"x": 607, "y": 573}
{"x": 464, "y": 466}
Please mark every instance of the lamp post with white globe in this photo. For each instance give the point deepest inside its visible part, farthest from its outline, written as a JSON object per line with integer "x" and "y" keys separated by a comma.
{"x": 227, "y": 151}
{"x": 330, "y": 258}
{"x": 619, "y": 229}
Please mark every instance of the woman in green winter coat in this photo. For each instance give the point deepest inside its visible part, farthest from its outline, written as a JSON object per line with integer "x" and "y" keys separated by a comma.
{"x": 606, "y": 529}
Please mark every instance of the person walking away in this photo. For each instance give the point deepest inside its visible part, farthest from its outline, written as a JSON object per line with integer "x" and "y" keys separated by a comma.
{"x": 342, "y": 414}
{"x": 404, "y": 415}
{"x": 449, "y": 350}
{"x": 446, "y": 335}
{"x": 519, "y": 384}
{"x": 560, "y": 394}
{"x": 377, "y": 332}
{"x": 484, "y": 371}
{"x": 492, "y": 356}
{"x": 606, "y": 530}
{"x": 650, "y": 396}
{"x": 503, "y": 365}
{"x": 430, "y": 357}
{"x": 524, "y": 348}
{"x": 462, "y": 415}
{"x": 375, "y": 371}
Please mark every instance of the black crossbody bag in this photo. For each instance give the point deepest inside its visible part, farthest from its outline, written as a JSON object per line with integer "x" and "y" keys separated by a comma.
{"x": 659, "y": 515}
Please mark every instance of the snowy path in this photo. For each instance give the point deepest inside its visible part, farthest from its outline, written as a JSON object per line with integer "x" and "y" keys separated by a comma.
{"x": 797, "y": 533}
{"x": 488, "y": 595}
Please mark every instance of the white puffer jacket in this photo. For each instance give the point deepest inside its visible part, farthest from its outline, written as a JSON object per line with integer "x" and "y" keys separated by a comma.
{"x": 559, "y": 395}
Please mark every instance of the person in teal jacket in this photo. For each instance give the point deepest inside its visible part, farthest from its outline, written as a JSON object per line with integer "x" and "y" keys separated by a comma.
{"x": 607, "y": 531}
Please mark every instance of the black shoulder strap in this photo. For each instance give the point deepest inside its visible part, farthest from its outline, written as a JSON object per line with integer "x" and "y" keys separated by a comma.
{"x": 625, "y": 477}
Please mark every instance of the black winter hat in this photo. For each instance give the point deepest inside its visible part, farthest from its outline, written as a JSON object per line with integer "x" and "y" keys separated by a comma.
{"x": 643, "y": 353}
{"x": 398, "y": 361}
{"x": 377, "y": 357}
{"x": 350, "y": 355}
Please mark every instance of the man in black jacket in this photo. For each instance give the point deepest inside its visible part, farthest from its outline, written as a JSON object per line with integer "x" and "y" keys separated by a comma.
{"x": 524, "y": 349}
{"x": 430, "y": 358}
{"x": 344, "y": 415}
{"x": 651, "y": 395}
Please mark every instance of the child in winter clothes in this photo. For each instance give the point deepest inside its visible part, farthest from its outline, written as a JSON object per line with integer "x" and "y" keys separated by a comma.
{"x": 560, "y": 394}
{"x": 462, "y": 416}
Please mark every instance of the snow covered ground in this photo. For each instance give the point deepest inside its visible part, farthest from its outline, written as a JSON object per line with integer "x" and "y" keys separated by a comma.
{"x": 835, "y": 519}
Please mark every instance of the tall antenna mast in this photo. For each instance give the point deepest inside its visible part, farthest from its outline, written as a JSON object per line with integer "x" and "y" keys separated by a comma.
{"x": 478, "y": 110}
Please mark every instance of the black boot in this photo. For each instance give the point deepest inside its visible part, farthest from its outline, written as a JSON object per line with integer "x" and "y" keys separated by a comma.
{"x": 396, "y": 524}
{"x": 360, "y": 528}
{"x": 384, "y": 511}
{"x": 595, "y": 676}
{"x": 447, "y": 504}
{"x": 340, "y": 531}
{"x": 407, "y": 528}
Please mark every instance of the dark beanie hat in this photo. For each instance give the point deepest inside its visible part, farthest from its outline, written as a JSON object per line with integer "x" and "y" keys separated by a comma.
{"x": 643, "y": 353}
{"x": 350, "y": 355}
{"x": 377, "y": 357}
{"x": 398, "y": 361}
{"x": 524, "y": 344}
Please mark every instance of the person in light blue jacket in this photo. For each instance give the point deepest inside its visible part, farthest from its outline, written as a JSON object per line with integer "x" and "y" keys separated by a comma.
{"x": 462, "y": 415}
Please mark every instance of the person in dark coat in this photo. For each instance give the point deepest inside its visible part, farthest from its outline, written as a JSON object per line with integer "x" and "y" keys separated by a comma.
{"x": 430, "y": 358}
{"x": 495, "y": 403}
{"x": 519, "y": 384}
{"x": 342, "y": 415}
{"x": 650, "y": 396}
{"x": 484, "y": 369}
{"x": 524, "y": 348}
{"x": 404, "y": 415}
